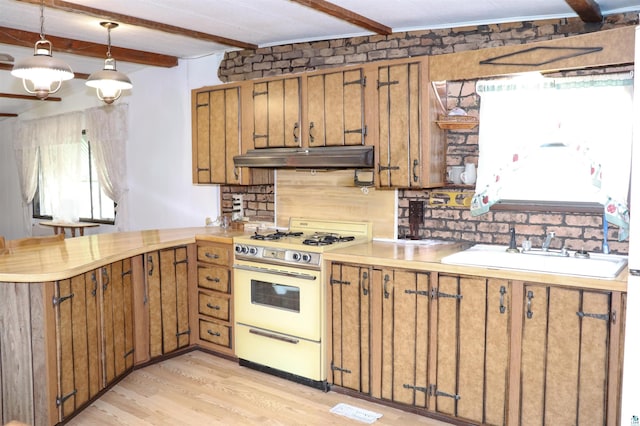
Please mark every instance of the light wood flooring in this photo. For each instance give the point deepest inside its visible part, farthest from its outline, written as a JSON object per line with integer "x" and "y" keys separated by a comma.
{"x": 197, "y": 388}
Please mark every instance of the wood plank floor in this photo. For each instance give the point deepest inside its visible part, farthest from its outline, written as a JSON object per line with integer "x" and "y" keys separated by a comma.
{"x": 201, "y": 389}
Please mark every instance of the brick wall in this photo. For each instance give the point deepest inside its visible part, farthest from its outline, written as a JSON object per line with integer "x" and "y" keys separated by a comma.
{"x": 258, "y": 201}
{"x": 575, "y": 230}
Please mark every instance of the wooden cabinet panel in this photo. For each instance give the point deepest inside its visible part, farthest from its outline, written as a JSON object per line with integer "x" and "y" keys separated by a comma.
{"x": 565, "y": 364}
{"x": 473, "y": 344}
{"x": 335, "y": 108}
{"x": 411, "y": 151}
{"x": 214, "y": 316}
{"x": 217, "y": 135}
{"x": 405, "y": 335}
{"x": 276, "y": 113}
{"x": 350, "y": 340}
{"x": 167, "y": 284}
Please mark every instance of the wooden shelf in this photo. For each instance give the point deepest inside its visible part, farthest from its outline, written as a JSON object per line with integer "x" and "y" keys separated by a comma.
{"x": 457, "y": 125}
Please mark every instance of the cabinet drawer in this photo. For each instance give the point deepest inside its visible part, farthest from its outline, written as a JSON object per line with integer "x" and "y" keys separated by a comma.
{"x": 213, "y": 306}
{"x": 215, "y": 333}
{"x": 213, "y": 254}
{"x": 214, "y": 278}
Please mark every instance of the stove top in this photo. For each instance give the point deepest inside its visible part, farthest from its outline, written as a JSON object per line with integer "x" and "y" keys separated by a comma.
{"x": 302, "y": 243}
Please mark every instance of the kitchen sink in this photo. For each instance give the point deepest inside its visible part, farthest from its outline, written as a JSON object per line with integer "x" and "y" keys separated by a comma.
{"x": 606, "y": 266}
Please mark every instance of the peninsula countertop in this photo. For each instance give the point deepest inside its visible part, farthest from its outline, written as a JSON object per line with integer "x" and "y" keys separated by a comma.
{"x": 75, "y": 256}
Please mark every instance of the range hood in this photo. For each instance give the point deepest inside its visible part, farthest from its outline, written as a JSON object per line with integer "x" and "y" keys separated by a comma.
{"x": 339, "y": 157}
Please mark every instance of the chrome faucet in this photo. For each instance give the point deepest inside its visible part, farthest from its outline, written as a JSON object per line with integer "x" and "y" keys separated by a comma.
{"x": 547, "y": 241}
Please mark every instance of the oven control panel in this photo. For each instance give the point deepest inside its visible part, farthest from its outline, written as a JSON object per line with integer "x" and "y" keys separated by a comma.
{"x": 258, "y": 253}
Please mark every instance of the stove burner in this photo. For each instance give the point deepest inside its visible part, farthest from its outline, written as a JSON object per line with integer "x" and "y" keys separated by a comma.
{"x": 274, "y": 235}
{"x": 325, "y": 239}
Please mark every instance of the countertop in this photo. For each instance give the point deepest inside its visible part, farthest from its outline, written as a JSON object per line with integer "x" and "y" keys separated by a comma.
{"x": 77, "y": 255}
{"x": 427, "y": 257}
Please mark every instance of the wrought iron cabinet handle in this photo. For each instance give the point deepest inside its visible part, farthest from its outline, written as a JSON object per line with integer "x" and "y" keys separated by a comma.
{"x": 529, "y": 311}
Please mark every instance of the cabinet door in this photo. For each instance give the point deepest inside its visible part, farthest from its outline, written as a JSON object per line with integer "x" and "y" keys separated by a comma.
{"x": 168, "y": 300}
{"x": 276, "y": 113}
{"x": 335, "y": 108}
{"x": 564, "y": 356}
{"x": 217, "y": 136}
{"x": 405, "y": 335}
{"x": 117, "y": 318}
{"x": 411, "y": 147}
{"x": 472, "y": 329}
{"x": 78, "y": 342}
{"x": 350, "y": 341}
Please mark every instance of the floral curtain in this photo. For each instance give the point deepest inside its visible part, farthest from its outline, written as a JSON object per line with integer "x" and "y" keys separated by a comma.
{"x": 555, "y": 141}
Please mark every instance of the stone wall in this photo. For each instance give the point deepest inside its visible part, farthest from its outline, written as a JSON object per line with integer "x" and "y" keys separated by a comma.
{"x": 575, "y": 230}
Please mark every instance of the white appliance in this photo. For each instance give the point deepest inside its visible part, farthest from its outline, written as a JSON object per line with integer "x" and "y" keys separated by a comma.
{"x": 630, "y": 413}
{"x": 280, "y": 296}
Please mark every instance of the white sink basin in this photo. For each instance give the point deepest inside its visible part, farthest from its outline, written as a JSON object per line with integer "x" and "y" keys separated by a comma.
{"x": 605, "y": 266}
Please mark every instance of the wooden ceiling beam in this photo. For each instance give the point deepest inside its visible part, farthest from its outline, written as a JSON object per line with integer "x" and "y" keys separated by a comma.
{"x": 7, "y": 114}
{"x": 106, "y": 15}
{"x": 587, "y": 10}
{"x": 84, "y": 48}
{"x": 346, "y": 15}
{"x": 28, "y": 97}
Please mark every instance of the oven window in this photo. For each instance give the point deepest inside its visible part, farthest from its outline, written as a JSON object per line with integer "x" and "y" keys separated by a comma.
{"x": 275, "y": 295}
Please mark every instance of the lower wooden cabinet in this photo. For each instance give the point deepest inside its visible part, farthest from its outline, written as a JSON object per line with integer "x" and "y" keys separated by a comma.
{"x": 213, "y": 296}
{"x": 94, "y": 333}
{"x": 166, "y": 273}
{"x": 477, "y": 349}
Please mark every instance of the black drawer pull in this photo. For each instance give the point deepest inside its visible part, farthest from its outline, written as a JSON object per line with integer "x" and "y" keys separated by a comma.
{"x": 213, "y": 279}
{"x": 212, "y": 255}
{"x": 210, "y": 306}
{"x": 213, "y": 333}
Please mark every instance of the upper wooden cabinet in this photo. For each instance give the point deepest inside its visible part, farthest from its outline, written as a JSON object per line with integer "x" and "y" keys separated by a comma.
{"x": 411, "y": 147}
{"x": 276, "y": 113}
{"x": 216, "y": 135}
{"x": 335, "y": 108}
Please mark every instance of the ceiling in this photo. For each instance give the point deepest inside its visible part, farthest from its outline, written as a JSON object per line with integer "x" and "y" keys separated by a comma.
{"x": 159, "y": 32}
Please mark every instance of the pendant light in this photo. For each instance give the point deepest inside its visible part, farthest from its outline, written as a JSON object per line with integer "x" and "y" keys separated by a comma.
{"x": 109, "y": 82}
{"x": 42, "y": 74}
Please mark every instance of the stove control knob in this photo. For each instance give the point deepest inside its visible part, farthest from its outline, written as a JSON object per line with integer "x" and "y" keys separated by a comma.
{"x": 253, "y": 251}
{"x": 306, "y": 257}
{"x": 296, "y": 257}
{"x": 241, "y": 249}
{"x": 238, "y": 249}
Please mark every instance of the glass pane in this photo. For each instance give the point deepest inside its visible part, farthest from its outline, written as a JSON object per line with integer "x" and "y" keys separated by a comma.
{"x": 275, "y": 295}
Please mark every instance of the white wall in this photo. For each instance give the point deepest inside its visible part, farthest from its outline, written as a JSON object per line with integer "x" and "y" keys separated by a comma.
{"x": 161, "y": 194}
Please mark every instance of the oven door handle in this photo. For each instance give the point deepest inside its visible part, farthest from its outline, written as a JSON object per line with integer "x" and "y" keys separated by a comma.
{"x": 275, "y": 272}
{"x": 274, "y": 336}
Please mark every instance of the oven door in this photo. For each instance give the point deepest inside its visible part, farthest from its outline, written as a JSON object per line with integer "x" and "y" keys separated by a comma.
{"x": 277, "y": 298}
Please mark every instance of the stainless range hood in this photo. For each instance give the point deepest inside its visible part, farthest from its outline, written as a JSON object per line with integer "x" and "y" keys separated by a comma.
{"x": 341, "y": 157}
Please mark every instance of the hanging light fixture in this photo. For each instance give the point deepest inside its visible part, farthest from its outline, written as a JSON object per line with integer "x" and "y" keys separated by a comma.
{"x": 42, "y": 74}
{"x": 109, "y": 82}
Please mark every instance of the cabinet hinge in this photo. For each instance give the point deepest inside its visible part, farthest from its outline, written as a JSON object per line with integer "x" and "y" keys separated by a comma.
{"x": 418, "y": 292}
{"x": 417, "y": 388}
{"x": 340, "y": 282}
{"x": 343, "y": 370}
{"x": 361, "y": 81}
{"x": 124, "y": 273}
{"x": 256, "y": 136}
{"x": 129, "y": 353}
{"x": 180, "y": 333}
{"x": 202, "y": 105}
{"x": 177, "y": 262}
{"x": 382, "y": 168}
{"x": 61, "y": 399}
{"x": 59, "y": 300}
{"x": 435, "y": 293}
{"x": 362, "y": 131}
{"x": 604, "y": 317}
{"x": 266, "y": 92}
{"x": 387, "y": 83}
{"x": 433, "y": 391}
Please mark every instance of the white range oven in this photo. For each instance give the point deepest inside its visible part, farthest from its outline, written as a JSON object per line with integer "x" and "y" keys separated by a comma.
{"x": 280, "y": 296}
